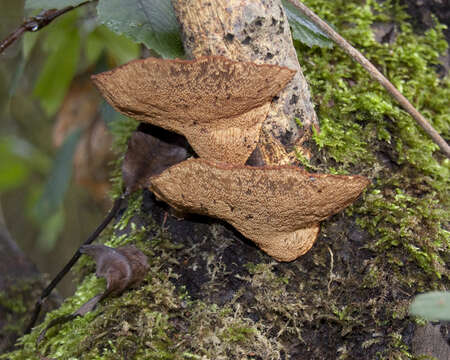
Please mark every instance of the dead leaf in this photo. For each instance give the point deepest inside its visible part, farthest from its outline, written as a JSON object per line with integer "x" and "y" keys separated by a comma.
{"x": 93, "y": 155}
{"x": 150, "y": 151}
{"x": 122, "y": 268}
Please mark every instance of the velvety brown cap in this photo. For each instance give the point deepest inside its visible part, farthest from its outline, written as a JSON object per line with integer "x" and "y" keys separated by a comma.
{"x": 279, "y": 208}
{"x": 218, "y": 104}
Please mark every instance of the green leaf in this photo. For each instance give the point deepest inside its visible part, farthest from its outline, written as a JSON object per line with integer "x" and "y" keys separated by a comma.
{"x": 303, "y": 29}
{"x": 433, "y": 305}
{"x": 59, "y": 179}
{"x": 63, "y": 43}
{"x": 51, "y": 4}
{"x": 29, "y": 40}
{"x": 13, "y": 168}
{"x": 151, "y": 22}
{"x": 119, "y": 47}
{"x": 16, "y": 78}
{"x": 17, "y": 159}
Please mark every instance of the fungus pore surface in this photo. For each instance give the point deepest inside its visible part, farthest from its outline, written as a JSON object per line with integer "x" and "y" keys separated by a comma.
{"x": 219, "y": 105}
{"x": 279, "y": 208}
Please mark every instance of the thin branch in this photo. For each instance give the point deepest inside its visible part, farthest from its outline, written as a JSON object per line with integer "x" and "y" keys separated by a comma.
{"x": 375, "y": 74}
{"x": 36, "y": 23}
{"x": 37, "y": 308}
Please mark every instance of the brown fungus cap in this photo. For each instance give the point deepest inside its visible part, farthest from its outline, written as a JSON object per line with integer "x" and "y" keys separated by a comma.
{"x": 279, "y": 208}
{"x": 218, "y": 104}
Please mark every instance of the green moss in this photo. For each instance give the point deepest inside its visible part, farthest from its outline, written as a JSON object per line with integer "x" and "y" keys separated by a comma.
{"x": 11, "y": 303}
{"x": 355, "y": 112}
{"x": 121, "y": 128}
{"x": 14, "y": 307}
{"x": 155, "y": 321}
{"x": 363, "y": 129}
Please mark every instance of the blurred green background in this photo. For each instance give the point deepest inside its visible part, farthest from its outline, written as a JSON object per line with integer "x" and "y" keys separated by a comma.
{"x": 55, "y": 142}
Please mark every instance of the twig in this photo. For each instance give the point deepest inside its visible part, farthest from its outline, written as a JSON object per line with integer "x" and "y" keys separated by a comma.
{"x": 36, "y": 23}
{"x": 375, "y": 74}
{"x": 112, "y": 213}
{"x": 332, "y": 276}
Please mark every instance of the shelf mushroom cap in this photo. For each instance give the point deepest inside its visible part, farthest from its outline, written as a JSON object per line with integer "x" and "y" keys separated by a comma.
{"x": 279, "y": 208}
{"x": 218, "y": 104}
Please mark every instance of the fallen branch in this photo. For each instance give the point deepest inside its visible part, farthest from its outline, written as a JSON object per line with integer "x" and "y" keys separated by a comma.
{"x": 36, "y": 23}
{"x": 375, "y": 74}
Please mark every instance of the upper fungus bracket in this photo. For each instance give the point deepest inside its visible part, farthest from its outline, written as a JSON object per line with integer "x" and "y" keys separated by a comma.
{"x": 218, "y": 104}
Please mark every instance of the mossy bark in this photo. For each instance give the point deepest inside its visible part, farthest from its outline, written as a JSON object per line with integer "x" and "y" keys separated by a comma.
{"x": 211, "y": 294}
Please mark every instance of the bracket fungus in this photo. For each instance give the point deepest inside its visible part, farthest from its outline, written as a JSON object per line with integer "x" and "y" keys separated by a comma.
{"x": 277, "y": 207}
{"x": 218, "y": 104}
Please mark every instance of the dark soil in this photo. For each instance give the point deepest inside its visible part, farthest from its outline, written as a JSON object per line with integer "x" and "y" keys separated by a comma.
{"x": 423, "y": 13}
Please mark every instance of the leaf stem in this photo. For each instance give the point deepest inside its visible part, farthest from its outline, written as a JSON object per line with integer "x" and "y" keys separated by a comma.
{"x": 36, "y": 23}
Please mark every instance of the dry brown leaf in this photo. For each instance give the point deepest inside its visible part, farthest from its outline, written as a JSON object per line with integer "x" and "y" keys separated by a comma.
{"x": 150, "y": 151}
{"x": 218, "y": 104}
{"x": 122, "y": 267}
{"x": 279, "y": 208}
{"x": 93, "y": 155}
{"x": 92, "y": 160}
{"x": 79, "y": 108}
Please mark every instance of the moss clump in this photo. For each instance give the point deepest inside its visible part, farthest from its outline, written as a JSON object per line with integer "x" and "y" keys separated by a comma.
{"x": 155, "y": 321}
{"x": 363, "y": 129}
{"x": 14, "y": 307}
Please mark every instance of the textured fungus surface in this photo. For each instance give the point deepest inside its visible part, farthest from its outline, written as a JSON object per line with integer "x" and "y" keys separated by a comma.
{"x": 278, "y": 208}
{"x": 219, "y": 105}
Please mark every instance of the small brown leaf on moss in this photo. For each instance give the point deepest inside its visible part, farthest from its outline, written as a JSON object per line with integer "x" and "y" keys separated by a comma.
{"x": 218, "y": 104}
{"x": 279, "y": 208}
{"x": 121, "y": 267}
